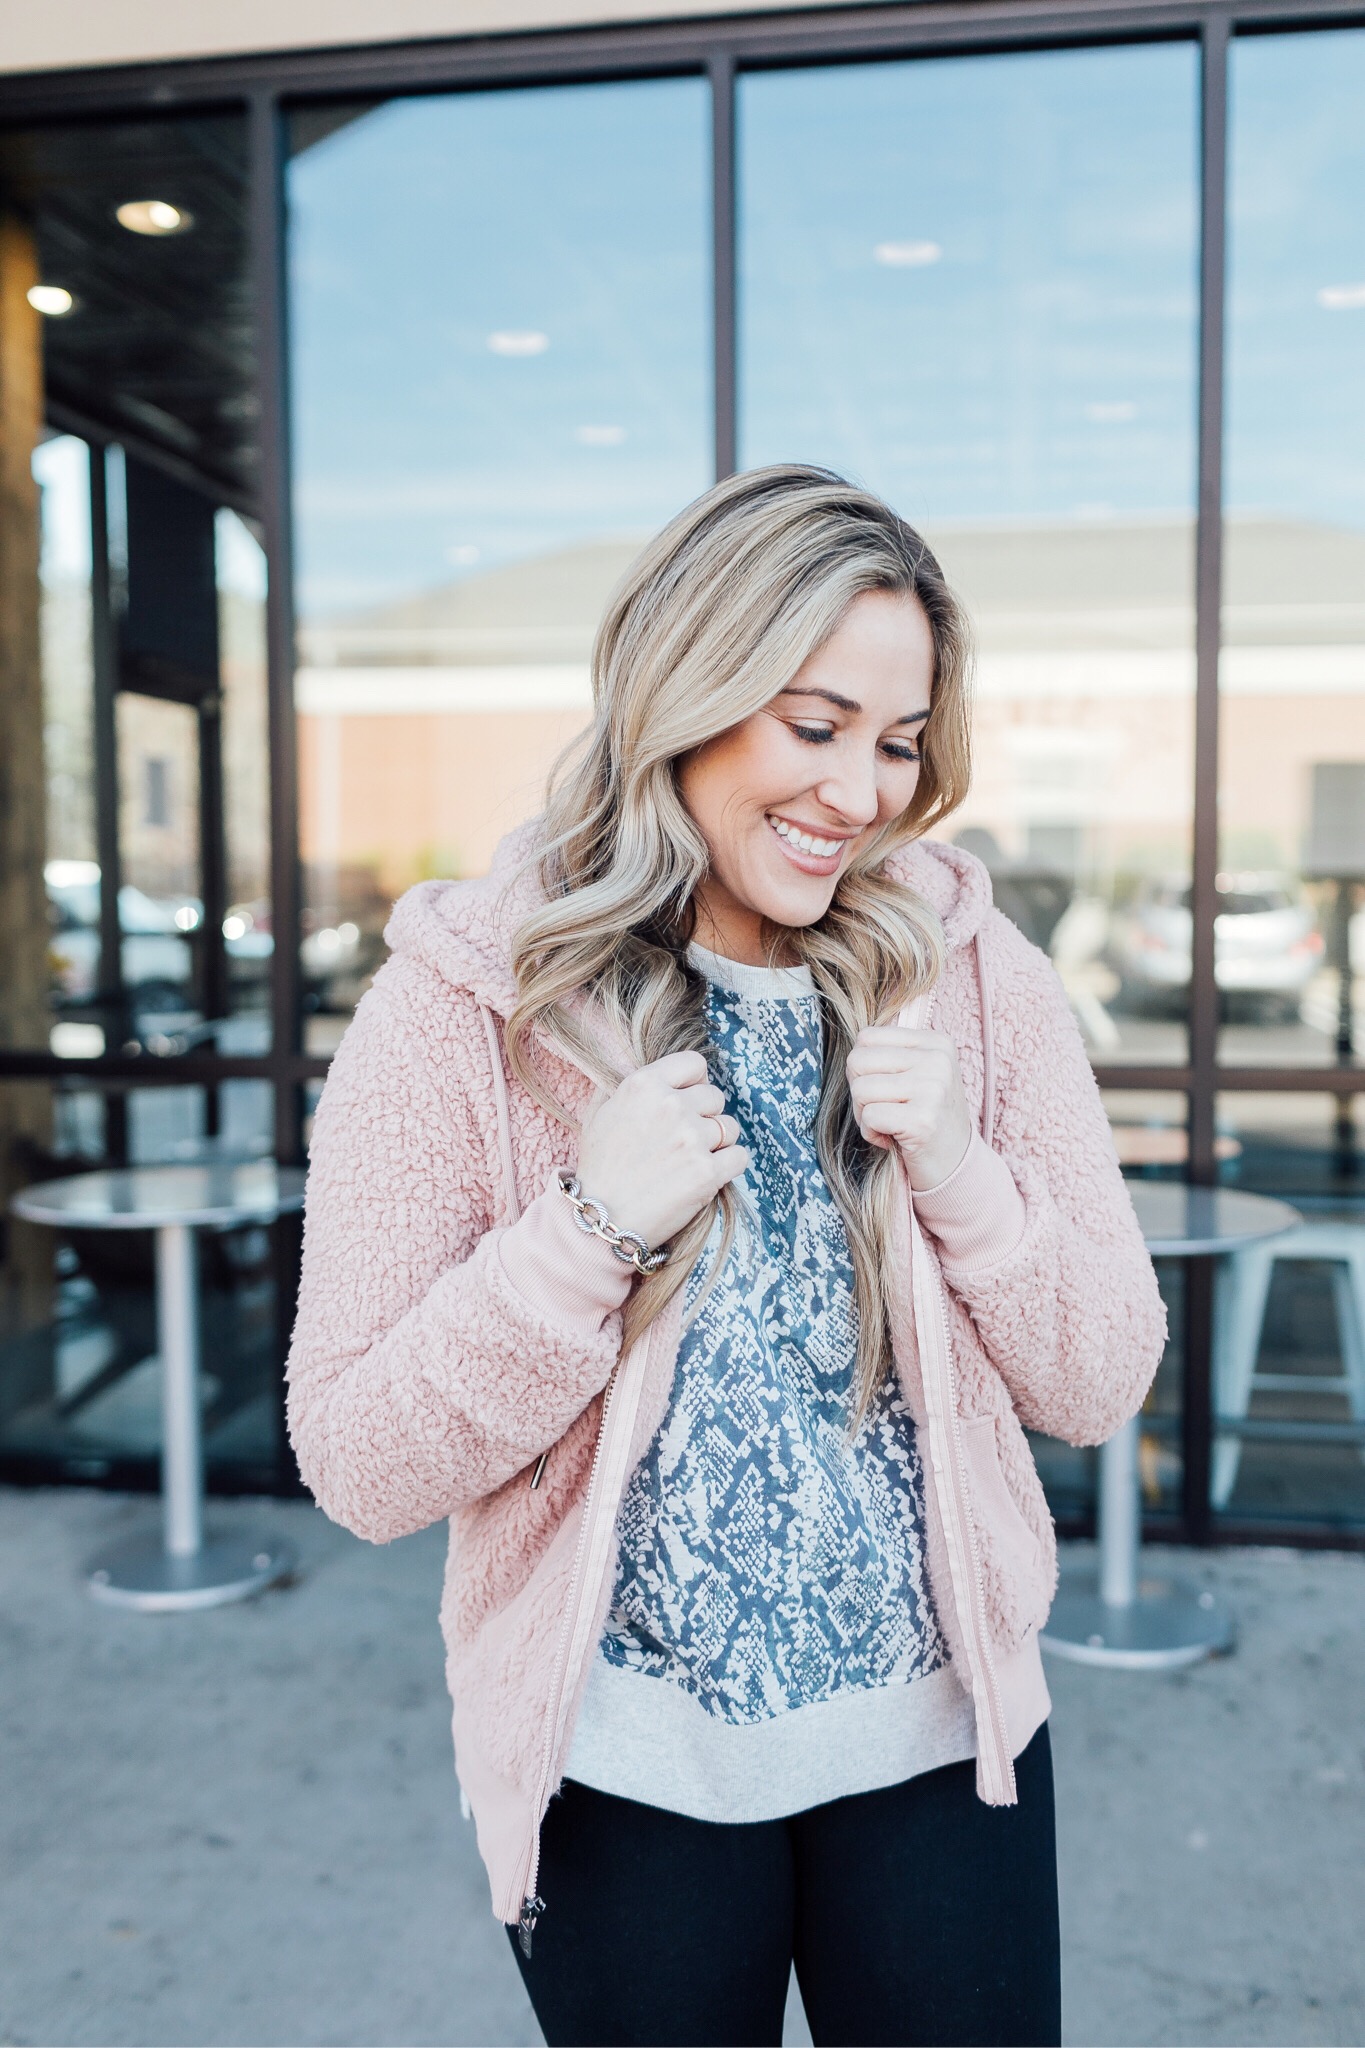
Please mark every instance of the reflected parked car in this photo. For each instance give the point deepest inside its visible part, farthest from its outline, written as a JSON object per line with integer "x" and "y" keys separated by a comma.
{"x": 156, "y": 950}
{"x": 157, "y": 961}
{"x": 1267, "y": 947}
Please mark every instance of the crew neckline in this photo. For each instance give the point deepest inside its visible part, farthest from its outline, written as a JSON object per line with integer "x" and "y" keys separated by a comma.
{"x": 769, "y": 984}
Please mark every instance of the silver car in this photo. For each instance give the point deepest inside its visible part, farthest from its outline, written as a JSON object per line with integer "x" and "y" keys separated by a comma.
{"x": 1267, "y": 946}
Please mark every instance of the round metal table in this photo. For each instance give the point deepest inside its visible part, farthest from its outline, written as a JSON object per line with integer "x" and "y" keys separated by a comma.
{"x": 1121, "y": 1615}
{"x": 183, "y": 1570}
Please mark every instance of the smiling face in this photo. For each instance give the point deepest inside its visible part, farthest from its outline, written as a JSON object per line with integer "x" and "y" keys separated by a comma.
{"x": 786, "y": 799}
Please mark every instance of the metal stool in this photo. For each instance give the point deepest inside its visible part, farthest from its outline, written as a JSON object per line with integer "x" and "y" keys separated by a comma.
{"x": 1243, "y": 1285}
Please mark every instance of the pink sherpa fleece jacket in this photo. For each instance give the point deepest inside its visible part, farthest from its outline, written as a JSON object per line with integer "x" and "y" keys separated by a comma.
{"x": 458, "y": 1349}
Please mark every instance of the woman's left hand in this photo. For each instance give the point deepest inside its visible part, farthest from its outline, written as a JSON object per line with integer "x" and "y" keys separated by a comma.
{"x": 906, "y": 1088}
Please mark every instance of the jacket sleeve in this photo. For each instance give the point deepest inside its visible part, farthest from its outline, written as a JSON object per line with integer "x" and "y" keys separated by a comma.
{"x": 435, "y": 1355}
{"x": 1062, "y": 1293}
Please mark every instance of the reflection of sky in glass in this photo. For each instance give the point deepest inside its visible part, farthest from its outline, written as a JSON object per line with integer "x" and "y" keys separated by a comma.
{"x": 500, "y": 331}
{"x": 61, "y": 468}
{"x": 1296, "y": 304}
{"x": 972, "y": 282}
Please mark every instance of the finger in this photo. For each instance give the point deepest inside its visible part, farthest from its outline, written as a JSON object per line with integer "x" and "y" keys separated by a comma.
{"x": 892, "y": 1059}
{"x": 863, "y": 1095}
{"x": 884, "y": 1118}
{"x": 678, "y": 1069}
{"x": 729, "y": 1163}
{"x": 705, "y": 1099}
{"x": 898, "y": 1034}
{"x": 728, "y": 1130}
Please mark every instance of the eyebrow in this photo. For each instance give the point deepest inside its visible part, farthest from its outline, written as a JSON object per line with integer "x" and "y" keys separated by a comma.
{"x": 849, "y": 704}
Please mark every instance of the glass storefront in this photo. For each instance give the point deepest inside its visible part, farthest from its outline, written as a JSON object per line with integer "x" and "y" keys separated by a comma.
{"x": 1289, "y": 1341}
{"x": 343, "y": 408}
{"x": 980, "y": 297}
{"x": 152, "y": 746}
{"x": 500, "y": 315}
{"x": 1291, "y": 938}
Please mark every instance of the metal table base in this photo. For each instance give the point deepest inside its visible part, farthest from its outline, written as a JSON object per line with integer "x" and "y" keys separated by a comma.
{"x": 153, "y": 1579}
{"x": 1118, "y": 1617}
{"x": 182, "y": 1571}
{"x": 1165, "y": 1625}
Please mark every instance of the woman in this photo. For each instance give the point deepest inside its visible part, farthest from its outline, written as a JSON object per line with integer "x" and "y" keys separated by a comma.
{"x": 699, "y": 1206}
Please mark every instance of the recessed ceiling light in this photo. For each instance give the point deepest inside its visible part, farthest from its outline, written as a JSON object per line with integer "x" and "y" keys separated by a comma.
{"x": 906, "y": 255}
{"x": 518, "y": 341}
{"x": 600, "y": 437}
{"x": 53, "y": 299}
{"x": 153, "y": 217}
{"x": 1340, "y": 298}
{"x": 1111, "y": 411}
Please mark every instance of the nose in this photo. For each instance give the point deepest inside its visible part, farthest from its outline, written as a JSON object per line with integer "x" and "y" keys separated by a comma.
{"x": 850, "y": 788}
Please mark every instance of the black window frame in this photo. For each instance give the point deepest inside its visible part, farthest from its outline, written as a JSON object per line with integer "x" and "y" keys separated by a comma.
{"x": 269, "y": 87}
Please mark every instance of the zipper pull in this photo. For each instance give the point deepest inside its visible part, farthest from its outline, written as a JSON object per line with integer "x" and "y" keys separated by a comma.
{"x": 531, "y": 1911}
{"x": 541, "y": 1462}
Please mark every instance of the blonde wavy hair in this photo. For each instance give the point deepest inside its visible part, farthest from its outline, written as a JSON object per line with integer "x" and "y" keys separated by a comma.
{"x": 707, "y": 625}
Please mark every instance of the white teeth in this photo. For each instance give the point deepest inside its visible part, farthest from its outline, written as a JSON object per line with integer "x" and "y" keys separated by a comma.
{"x": 808, "y": 843}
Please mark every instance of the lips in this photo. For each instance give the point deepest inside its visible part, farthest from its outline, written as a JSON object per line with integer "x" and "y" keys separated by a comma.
{"x": 814, "y": 853}
{"x": 808, "y": 842}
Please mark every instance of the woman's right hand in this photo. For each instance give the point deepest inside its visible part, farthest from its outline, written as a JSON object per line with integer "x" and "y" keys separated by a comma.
{"x": 656, "y": 1150}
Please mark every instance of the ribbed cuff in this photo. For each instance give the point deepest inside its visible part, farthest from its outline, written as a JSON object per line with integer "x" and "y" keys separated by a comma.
{"x": 562, "y": 1270}
{"x": 977, "y": 1214}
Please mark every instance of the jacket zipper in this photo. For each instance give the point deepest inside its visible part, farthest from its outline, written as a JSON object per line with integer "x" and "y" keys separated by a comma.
{"x": 999, "y": 1768}
{"x": 998, "y": 1765}
{"x": 601, "y": 1502}
{"x": 532, "y": 1905}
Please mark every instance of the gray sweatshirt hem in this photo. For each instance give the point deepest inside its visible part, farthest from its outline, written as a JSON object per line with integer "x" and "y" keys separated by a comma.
{"x": 642, "y": 1737}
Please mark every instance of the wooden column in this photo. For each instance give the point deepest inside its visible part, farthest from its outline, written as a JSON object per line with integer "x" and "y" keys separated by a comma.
{"x": 25, "y": 1117}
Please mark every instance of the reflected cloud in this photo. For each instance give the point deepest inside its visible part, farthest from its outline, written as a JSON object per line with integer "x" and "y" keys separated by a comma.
{"x": 906, "y": 255}
{"x": 1341, "y": 298}
{"x": 600, "y": 437}
{"x": 518, "y": 341}
{"x": 1111, "y": 411}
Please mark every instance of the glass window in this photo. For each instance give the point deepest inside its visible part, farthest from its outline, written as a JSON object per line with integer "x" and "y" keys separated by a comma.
{"x": 972, "y": 284}
{"x": 61, "y": 469}
{"x": 500, "y": 327}
{"x": 1289, "y": 1341}
{"x": 1291, "y": 940}
{"x": 150, "y": 747}
{"x": 245, "y": 749}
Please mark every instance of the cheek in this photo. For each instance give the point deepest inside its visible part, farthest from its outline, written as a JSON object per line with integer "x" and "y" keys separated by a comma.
{"x": 896, "y": 791}
{"x": 741, "y": 772}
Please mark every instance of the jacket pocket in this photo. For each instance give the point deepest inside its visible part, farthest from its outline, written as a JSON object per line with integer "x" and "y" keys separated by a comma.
{"x": 1011, "y": 1550}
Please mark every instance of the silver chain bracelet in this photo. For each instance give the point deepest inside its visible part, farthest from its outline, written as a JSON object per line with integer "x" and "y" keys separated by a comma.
{"x": 629, "y": 1247}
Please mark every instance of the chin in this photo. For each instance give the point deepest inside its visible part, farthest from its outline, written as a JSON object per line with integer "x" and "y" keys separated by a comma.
{"x": 792, "y": 907}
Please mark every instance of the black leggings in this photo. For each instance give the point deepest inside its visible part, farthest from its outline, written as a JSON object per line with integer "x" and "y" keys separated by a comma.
{"x": 916, "y": 1914}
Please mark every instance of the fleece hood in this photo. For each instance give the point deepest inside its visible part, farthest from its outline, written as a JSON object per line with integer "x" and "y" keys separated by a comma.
{"x": 464, "y": 930}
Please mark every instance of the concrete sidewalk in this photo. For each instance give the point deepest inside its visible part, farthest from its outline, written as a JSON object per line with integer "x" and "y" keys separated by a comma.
{"x": 242, "y": 1827}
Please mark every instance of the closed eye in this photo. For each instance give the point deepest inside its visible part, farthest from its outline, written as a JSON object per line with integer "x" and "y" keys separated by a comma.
{"x": 821, "y": 735}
